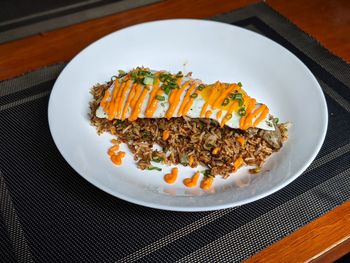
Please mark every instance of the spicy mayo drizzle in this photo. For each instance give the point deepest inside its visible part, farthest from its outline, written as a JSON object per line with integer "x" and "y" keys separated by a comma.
{"x": 192, "y": 182}
{"x": 130, "y": 94}
{"x": 171, "y": 177}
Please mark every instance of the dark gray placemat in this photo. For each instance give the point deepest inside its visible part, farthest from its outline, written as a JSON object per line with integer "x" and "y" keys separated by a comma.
{"x": 50, "y": 214}
{"x": 23, "y": 18}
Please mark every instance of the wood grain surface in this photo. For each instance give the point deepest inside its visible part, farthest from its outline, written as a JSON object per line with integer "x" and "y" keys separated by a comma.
{"x": 324, "y": 239}
{"x": 327, "y": 21}
{"x": 24, "y": 55}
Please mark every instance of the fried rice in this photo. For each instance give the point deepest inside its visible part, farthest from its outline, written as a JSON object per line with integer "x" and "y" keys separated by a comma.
{"x": 191, "y": 141}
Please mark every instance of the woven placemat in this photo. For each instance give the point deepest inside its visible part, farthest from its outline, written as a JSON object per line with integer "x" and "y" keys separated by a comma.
{"x": 51, "y": 214}
{"x": 22, "y": 18}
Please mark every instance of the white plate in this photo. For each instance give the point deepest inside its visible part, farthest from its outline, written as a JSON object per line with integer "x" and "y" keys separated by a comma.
{"x": 212, "y": 51}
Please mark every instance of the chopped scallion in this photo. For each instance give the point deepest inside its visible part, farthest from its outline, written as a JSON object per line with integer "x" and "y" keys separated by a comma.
{"x": 275, "y": 120}
{"x": 121, "y": 73}
{"x": 225, "y": 102}
{"x": 148, "y": 80}
{"x": 160, "y": 98}
{"x": 201, "y": 87}
{"x": 158, "y": 160}
{"x": 154, "y": 168}
{"x": 207, "y": 172}
{"x": 167, "y": 90}
{"x": 242, "y": 111}
{"x": 194, "y": 95}
{"x": 239, "y": 84}
{"x": 134, "y": 76}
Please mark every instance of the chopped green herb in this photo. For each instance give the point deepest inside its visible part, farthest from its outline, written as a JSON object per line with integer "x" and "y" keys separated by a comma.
{"x": 239, "y": 84}
{"x": 134, "y": 76}
{"x": 143, "y": 76}
{"x": 275, "y": 120}
{"x": 173, "y": 85}
{"x": 154, "y": 168}
{"x": 207, "y": 173}
{"x": 194, "y": 95}
{"x": 238, "y": 97}
{"x": 201, "y": 87}
{"x": 225, "y": 102}
{"x": 242, "y": 111}
{"x": 148, "y": 80}
{"x": 142, "y": 72}
{"x": 169, "y": 82}
{"x": 121, "y": 73}
{"x": 117, "y": 122}
{"x": 160, "y": 98}
{"x": 158, "y": 160}
{"x": 113, "y": 78}
{"x": 164, "y": 77}
{"x": 167, "y": 90}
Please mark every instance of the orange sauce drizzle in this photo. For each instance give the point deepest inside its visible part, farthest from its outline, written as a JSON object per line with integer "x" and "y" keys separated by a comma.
{"x": 122, "y": 98}
{"x": 262, "y": 116}
{"x": 241, "y": 122}
{"x": 128, "y": 100}
{"x": 208, "y": 113}
{"x": 149, "y": 109}
{"x": 117, "y": 158}
{"x": 211, "y": 98}
{"x": 114, "y": 141}
{"x": 174, "y": 100}
{"x": 154, "y": 104}
{"x": 138, "y": 105}
{"x": 238, "y": 163}
{"x": 114, "y": 109}
{"x": 171, "y": 177}
{"x": 246, "y": 121}
{"x": 136, "y": 96}
{"x": 216, "y": 150}
{"x": 113, "y": 149}
{"x": 166, "y": 135}
{"x": 104, "y": 100}
{"x": 214, "y": 96}
{"x": 110, "y": 106}
{"x": 192, "y": 182}
{"x": 224, "y": 93}
{"x": 190, "y": 160}
{"x": 174, "y": 92}
{"x": 207, "y": 182}
{"x": 185, "y": 100}
{"x": 228, "y": 115}
{"x": 190, "y": 102}
{"x": 241, "y": 140}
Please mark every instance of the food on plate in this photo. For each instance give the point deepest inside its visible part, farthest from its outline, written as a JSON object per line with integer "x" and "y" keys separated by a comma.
{"x": 175, "y": 119}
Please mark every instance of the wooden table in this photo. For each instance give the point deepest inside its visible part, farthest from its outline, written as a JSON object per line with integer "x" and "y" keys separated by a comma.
{"x": 324, "y": 239}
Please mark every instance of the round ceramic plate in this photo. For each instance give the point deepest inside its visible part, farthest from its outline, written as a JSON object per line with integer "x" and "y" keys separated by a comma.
{"x": 212, "y": 51}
